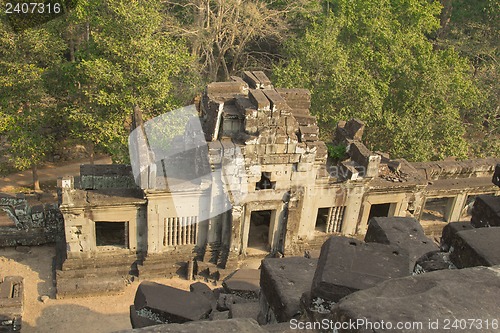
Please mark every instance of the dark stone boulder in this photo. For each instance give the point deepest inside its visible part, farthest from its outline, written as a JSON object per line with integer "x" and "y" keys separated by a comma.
{"x": 405, "y": 232}
{"x": 496, "y": 175}
{"x": 486, "y": 211}
{"x": 290, "y": 327}
{"x": 283, "y": 280}
{"x": 427, "y": 299}
{"x": 476, "y": 247}
{"x": 11, "y": 303}
{"x": 239, "y": 325}
{"x": 225, "y": 301}
{"x": 244, "y": 282}
{"x": 433, "y": 261}
{"x": 202, "y": 289}
{"x": 166, "y": 304}
{"x": 347, "y": 265}
{"x": 219, "y": 315}
{"x": 244, "y": 310}
{"x": 449, "y": 232}
{"x": 141, "y": 320}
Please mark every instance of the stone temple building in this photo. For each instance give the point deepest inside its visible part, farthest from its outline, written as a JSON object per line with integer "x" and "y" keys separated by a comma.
{"x": 258, "y": 182}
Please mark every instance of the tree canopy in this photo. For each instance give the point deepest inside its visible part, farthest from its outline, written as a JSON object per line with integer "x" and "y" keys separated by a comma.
{"x": 423, "y": 75}
{"x": 373, "y": 60}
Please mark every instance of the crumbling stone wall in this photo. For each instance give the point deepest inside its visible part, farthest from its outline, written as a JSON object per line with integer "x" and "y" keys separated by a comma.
{"x": 31, "y": 222}
{"x": 263, "y": 154}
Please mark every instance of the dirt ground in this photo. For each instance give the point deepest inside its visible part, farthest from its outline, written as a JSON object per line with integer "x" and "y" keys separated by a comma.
{"x": 48, "y": 174}
{"x": 75, "y": 315}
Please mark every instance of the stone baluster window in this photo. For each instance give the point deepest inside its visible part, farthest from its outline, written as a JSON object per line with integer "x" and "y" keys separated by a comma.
{"x": 180, "y": 231}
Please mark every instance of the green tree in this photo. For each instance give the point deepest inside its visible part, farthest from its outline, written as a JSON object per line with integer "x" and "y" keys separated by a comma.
{"x": 373, "y": 60}
{"x": 28, "y": 111}
{"x": 473, "y": 29}
{"x": 121, "y": 58}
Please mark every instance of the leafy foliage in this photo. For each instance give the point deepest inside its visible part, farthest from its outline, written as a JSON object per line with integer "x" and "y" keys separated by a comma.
{"x": 336, "y": 152}
{"x": 124, "y": 60}
{"x": 28, "y": 112}
{"x": 373, "y": 60}
{"x": 473, "y": 29}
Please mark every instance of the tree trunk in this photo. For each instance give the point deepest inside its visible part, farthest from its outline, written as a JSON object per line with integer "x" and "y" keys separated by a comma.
{"x": 36, "y": 181}
{"x": 91, "y": 151}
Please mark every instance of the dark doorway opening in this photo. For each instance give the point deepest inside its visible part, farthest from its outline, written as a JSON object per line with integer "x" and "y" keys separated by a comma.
{"x": 111, "y": 234}
{"x": 379, "y": 210}
{"x": 322, "y": 219}
{"x": 258, "y": 235}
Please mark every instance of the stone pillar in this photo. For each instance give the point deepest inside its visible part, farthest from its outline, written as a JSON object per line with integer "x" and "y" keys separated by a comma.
{"x": 293, "y": 221}
{"x": 237, "y": 217}
{"x": 353, "y": 206}
{"x": 155, "y": 232}
{"x": 454, "y": 207}
{"x": 214, "y": 229}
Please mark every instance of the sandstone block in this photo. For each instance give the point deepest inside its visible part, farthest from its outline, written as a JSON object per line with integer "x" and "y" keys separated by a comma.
{"x": 347, "y": 265}
{"x": 244, "y": 282}
{"x": 476, "y": 247}
{"x": 239, "y": 325}
{"x": 170, "y": 304}
{"x": 486, "y": 211}
{"x": 404, "y": 232}
{"x": 425, "y": 298}
{"x": 283, "y": 280}
{"x": 449, "y": 232}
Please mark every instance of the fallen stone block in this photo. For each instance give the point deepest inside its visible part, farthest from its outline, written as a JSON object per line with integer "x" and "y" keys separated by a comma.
{"x": 347, "y": 265}
{"x": 239, "y": 325}
{"x": 259, "y": 100}
{"x": 283, "y": 280}
{"x": 219, "y": 315}
{"x": 244, "y": 283}
{"x": 476, "y": 247}
{"x": 245, "y": 310}
{"x": 143, "y": 319}
{"x": 263, "y": 79}
{"x": 89, "y": 286}
{"x": 11, "y": 303}
{"x": 404, "y": 232}
{"x": 233, "y": 87}
{"x": 436, "y": 298}
{"x": 293, "y": 326}
{"x": 201, "y": 288}
{"x": 486, "y": 211}
{"x": 277, "y": 102}
{"x": 496, "y": 175}
{"x": 433, "y": 261}
{"x": 449, "y": 232}
{"x": 169, "y": 305}
{"x": 225, "y": 301}
{"x": 355, "y": 128}
{"x": 315, "y": 309}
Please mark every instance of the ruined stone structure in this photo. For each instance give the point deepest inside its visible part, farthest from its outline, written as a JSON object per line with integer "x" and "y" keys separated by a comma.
{"x": 281, "y": 192}
{"x": 24, "y": 220}
{"x": 354, "y": 285}
{"x": 11, "y": 303}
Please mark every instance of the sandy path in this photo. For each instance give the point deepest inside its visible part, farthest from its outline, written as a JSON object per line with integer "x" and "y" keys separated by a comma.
{"x": 49, "y": 172}
{"x": 75, "y": 315}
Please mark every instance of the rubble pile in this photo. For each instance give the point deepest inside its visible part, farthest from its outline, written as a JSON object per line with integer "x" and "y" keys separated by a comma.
{"x": 27, "y": 221}
{"x": 396, "y": 275}
{"x": 11, "y": 303}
